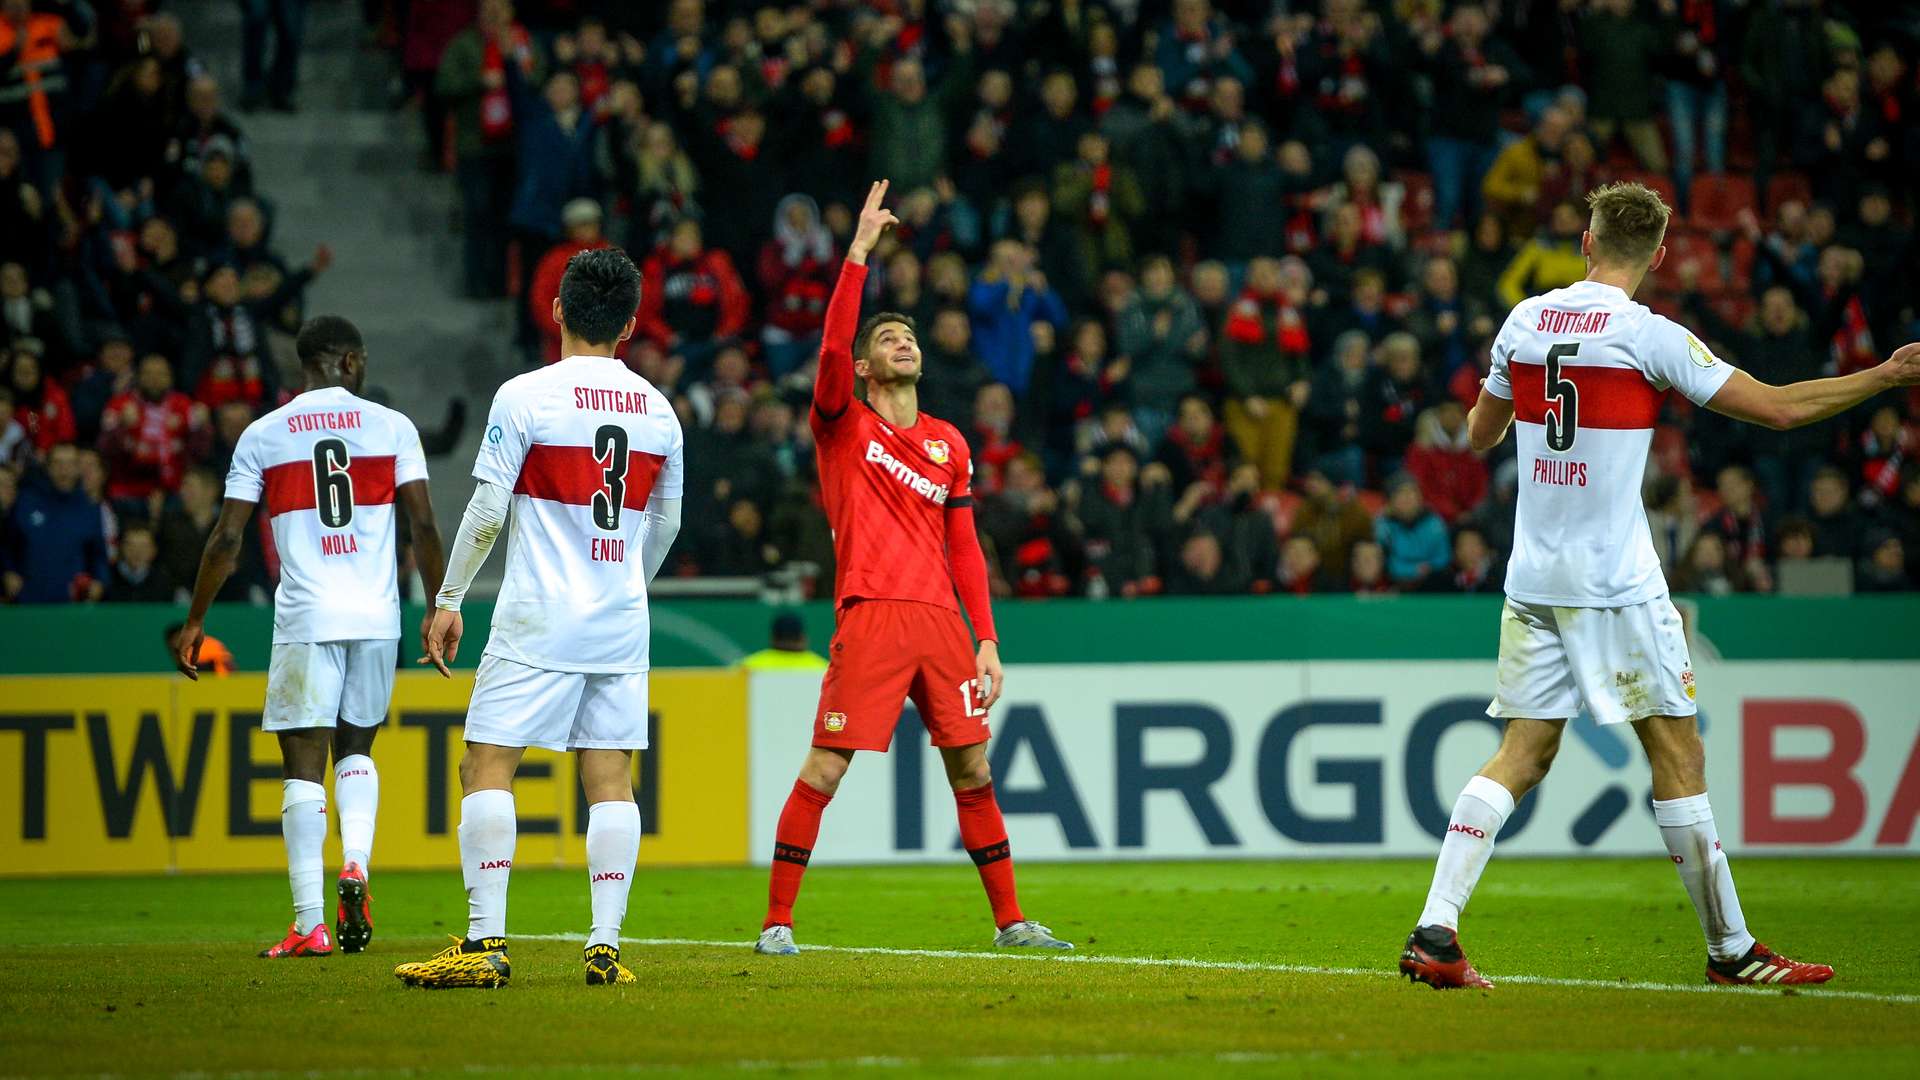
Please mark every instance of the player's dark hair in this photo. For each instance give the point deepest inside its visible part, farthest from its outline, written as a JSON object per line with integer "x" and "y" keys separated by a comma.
{"x": 863, "y": 340}
{"x": 598, "y": 294}
{"x": 325, "y": 339}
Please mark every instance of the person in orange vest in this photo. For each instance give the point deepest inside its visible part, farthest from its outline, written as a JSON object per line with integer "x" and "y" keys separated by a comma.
{"x": 215, "y": 657}
{"x": 33, "y": 75}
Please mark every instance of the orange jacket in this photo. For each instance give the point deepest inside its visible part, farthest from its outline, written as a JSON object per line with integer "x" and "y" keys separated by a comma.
{"x": 34, "y": 49}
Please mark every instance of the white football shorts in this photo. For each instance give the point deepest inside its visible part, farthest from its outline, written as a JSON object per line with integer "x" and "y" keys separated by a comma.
{"x": 1624, "y": 663}
{"x": 517, "y": 705}
{"x": 310, "y": 684}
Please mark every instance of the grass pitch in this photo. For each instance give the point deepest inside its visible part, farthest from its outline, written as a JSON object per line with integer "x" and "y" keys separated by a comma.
{"x": 143, "y": 976}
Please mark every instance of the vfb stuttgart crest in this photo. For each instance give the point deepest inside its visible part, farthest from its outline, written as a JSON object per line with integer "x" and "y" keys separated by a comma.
{"x": 937, "y": 450}
{"x": 835, "y": 721}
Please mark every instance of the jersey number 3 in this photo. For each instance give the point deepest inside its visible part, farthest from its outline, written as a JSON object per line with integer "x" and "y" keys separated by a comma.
{"x": 332, "y": 483}
{"x": 610, "y": 453}
{"x": 1564, "y": 422}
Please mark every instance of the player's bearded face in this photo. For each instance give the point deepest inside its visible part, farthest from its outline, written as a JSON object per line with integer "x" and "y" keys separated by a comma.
{"x": 893, "y": 356}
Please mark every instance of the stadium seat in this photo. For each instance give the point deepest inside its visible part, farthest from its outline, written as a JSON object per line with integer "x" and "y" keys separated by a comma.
{"x": 1788, "y": 185}
{"x": 1714, "y": 202}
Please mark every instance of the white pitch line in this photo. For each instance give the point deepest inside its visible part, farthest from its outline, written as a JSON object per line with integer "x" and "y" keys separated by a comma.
{"x": 1251, "y": 965}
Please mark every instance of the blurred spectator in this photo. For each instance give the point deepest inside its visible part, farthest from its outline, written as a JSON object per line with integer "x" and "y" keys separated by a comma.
{"x": 951, "y": 375}
{"x": 1149, "y": 140}
{"x": 149, "y": 434}
{"x": 556, "y": 135}
{"x": 16, "y": 448}
{"x": 272, "y": 84}
{"x": 1778, "y": 351}
{"x": 1513, "y": 184}
{"x": 1707, "y": 568}
{"x": 183, "y": 532}
{"x": 1333, "y": 519}
{"x": 1446, "y": 322}
{"x": 795, "y": 271}
{"x": 1248, "y": 188}
{"x": 1451, "y": 476}
{"x": 910, "y": 121}
{"x": 1300, "y": 571}
{"x": 1838, "y": 528}
{"x": 1473, "y": 76}
{"x": 1006, "y": 301}
{"x": 1056, "y": 244}
{"x": 1196, "y": 450}
{"x": 26, "y": 315}
{"x": 1367, "y": 570}
{"x": 1550, "y": 260}
{"x": 1739, "y": 524}
{"x": 1620, "y": 49}
{"x": 1160, "y": 332}
{"x": 993, "y": 435}
{"x": 1101, "y": 200}
{"x": 1204, "y": 569}
{"x": 1694, "y": 65}
{"x": 1335, "y": 414}
{"x": 1347, "y": 253}
{"x": 35, "y": 84}
{"x": 1489, "y": 251}
{"x": 39, "y": 404}
{"x": 666, "y": 186}
{"x": 1033, "y": 540}
{"x": 227, "y": 357}
{"x": 1413, "y": 537}
{"x": 1264, "y": 355}
{"x": 582, "y": 220}
{"x": 1884, "y": 567}
{"x": 1391, "y": 400}
{"x": 24, "y": 234}
{"x": 1071, "y": 388}
{"x": 1472, "y": 569}
{"x": 136, "y": 577}
{"x": 1887, "y": 447}
{"x": 1673, "y": 520}
{"x": 472, "y": 81}
{"x": 692, "y": 301}
{"x": 1379, "y": 202}
{"x": 56, "y": 549}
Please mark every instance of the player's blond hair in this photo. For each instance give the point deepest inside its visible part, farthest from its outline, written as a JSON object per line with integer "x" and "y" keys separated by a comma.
{"x": 1629, "y": 222}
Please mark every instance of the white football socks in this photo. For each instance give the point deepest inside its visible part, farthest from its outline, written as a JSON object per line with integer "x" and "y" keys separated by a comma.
{"x": 356, "y": 796}
{"x": 613, "y": 844}
{"x": 303, "y": 825}
{"x": 488, "y": 829}
{"x": 1483, "y": 807}
{"x": 1687, "y": 827}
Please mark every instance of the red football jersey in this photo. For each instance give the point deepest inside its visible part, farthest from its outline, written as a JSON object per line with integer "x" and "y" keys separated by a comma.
{"x": 887, "y": 489}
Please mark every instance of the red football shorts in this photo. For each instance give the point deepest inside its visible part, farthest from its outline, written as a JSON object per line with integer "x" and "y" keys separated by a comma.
{"x": 887, "y": 651}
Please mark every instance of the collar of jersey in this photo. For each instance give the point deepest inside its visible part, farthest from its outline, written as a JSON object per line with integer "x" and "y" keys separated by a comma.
{"x": 325, "y": 390}
{"x": 1601, "y": 284}
{"x": 918, "y": 415}
{"x": 591, "y": 356}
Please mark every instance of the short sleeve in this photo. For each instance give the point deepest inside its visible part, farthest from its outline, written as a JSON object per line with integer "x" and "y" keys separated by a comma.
{"x": 672, "y": 481}
{"x": 503, "y": 446}
{"x": 410, "y": 462}
{"x": 1499, "y": 382}
{"x": 244, "y": 478}
{"x": 1672, "y": 357}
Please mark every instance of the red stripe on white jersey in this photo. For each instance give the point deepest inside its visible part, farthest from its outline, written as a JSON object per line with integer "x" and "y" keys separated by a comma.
{"x": 1614, "y": 398}
{"x": 572, "y": 475}
{"x": 290, "y": 486}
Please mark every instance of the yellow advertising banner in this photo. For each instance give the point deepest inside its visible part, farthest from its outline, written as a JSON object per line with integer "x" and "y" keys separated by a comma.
{"x": 145, "y": 773}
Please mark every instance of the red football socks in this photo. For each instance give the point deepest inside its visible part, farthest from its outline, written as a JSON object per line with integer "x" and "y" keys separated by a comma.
{"x": 793, "y": 843}
{"x": 984, "y": 835}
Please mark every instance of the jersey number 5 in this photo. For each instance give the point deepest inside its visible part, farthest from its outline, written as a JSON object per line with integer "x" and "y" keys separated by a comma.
{"x": 332, "y": 483}
{"x": 610, "y": 453}
{"x": 1562, "y": 423}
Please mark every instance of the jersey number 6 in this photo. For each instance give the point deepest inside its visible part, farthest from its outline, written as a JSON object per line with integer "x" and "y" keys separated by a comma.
{"x": 332, "y": 483}
{"x": 1564, "y": 422}
{"x": 610, "y": 453}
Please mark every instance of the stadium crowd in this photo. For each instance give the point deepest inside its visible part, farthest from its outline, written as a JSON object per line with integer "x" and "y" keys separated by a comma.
{"x": 1209, "y": 284}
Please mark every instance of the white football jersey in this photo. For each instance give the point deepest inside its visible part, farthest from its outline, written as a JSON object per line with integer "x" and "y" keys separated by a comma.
{"x": 1586, "y": 368}
{"x": 582, "y": 444}
{"x": 326, "y": 465}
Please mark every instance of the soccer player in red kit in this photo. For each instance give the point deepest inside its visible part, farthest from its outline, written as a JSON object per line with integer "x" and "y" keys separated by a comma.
{"x": 898, "y": 493}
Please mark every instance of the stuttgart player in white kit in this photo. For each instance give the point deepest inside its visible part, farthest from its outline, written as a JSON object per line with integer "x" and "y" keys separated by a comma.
{"x": 589, "y": 455}
{"x": 1580, "y": 373}
{"x": 329, "y": 466}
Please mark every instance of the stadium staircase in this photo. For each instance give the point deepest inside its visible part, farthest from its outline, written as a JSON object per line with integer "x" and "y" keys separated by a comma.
{"x": 346, "y": 171}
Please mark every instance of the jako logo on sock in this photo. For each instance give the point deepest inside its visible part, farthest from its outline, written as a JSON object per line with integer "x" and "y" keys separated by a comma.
{"x": 497, "y": 864}
{"x": 611, "y": 875}
{"x": 1477, "y": 834}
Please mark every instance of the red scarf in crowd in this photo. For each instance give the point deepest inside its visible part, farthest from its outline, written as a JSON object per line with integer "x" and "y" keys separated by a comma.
{"x": 496, "y": 104}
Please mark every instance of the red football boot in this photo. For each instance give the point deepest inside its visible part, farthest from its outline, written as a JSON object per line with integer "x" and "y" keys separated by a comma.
{"x": 1764, "y": 967}
{"x": 353, "y": 919}
{"x": 315, "y": 942}
{"x": 1433, "y": 956}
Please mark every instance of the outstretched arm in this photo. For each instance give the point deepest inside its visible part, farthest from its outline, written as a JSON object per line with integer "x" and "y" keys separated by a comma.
{"x": 833, "y": 385}
{"x": 216, "y": 565}
{"x": 1798, "y": 404}
{"x": 968, "y": 564}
